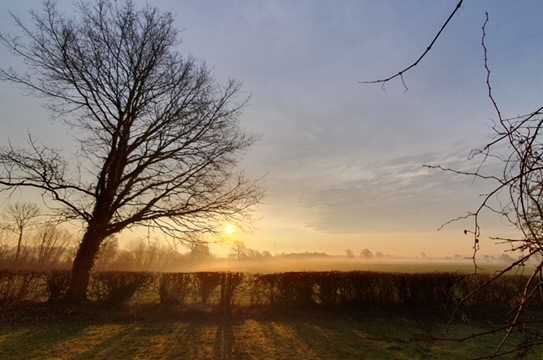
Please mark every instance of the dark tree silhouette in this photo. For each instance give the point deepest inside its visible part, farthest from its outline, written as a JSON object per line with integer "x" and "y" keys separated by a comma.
{"x": 366, "y": 254}
{"x": 160, "y": 137}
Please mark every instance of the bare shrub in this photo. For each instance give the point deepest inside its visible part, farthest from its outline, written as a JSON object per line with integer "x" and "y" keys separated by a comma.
{"x": 152, "y": 255}
{"x": 107, "y": 255}
{"x": 51, "y": 247}
{"x": 142, "y": 255}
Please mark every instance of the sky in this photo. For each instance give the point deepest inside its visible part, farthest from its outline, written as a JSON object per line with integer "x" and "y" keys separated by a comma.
{"x": 340, "y": 162}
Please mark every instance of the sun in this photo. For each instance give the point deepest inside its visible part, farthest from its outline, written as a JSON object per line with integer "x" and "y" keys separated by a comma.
{"x": 229, "y": 229}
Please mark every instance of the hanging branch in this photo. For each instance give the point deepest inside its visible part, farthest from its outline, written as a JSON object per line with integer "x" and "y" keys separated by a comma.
{"x": 400, "y": 74}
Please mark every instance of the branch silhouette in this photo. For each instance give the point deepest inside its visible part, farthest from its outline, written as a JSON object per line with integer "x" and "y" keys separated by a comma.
{"x": 400, "y": 74}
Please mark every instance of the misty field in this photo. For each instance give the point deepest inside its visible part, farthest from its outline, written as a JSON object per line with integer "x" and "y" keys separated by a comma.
{"x": 338, "y": 263}
{"x": 298, "y": 336}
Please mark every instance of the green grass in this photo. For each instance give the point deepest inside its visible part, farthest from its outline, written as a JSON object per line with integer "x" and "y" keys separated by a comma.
{"x": 305, "y": 337}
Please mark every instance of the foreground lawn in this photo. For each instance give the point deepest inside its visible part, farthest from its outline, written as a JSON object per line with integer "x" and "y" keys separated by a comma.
{"x": 301, "y": 337}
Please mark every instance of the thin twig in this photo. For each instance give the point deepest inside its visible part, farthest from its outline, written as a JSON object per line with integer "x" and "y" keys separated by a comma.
{"x": 401, "y": 73}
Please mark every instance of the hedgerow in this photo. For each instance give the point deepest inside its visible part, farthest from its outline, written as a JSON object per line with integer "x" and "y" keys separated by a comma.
{"x": 226, "y": 290}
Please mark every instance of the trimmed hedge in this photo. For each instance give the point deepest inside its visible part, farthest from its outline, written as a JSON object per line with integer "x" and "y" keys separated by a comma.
{"x": 224, "y": 290}
{"x": 117, "y": 288}
{"x": 57, "y": 284}
{"x": 17, "y": 287}
{"x": 174, "y": 288}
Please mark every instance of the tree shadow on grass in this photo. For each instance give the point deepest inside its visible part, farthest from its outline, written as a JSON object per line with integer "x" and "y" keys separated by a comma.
{"x": 302, "y": 339}
{"x": 386, "y": 338}
{"x": 33, "y": 341}
{"x": 127, "y": 343}
{"x": 345, "y": 340}
{"x": 168, "y": 340}
{"x": 224, "y": 341}
{"x": 349, "y": 339}
{"x": 307, "y": 337}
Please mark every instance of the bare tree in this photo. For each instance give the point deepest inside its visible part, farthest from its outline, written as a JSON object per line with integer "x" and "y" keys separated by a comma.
{"x": 200, "y": 252}
{"x": 366, "y": 254}
{"x": 160, "y": 137}
{"x": 22, "y": 215}
{"x": 51, "y": 246}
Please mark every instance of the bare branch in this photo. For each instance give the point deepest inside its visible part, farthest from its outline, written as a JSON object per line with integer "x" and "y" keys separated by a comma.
{"x": 400, "y": 74}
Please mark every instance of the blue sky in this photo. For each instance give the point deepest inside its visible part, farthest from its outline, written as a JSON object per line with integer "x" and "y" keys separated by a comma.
{"x": 342, "y": 162}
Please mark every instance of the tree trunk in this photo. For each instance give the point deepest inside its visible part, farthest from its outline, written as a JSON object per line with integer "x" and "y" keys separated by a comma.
{"x": 19, "y": 242}
{"x": 83, "y": 263}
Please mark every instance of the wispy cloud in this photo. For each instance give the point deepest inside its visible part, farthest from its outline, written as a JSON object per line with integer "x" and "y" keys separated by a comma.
{"x": 397, "y": 194}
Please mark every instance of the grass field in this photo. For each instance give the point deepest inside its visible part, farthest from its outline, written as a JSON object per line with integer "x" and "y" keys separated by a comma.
{"x": 301, "y": 337}
{"x": 300, "y": 316}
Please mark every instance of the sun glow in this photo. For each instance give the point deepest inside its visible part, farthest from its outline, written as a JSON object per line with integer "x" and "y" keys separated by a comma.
{"x": 229, "y": 230}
